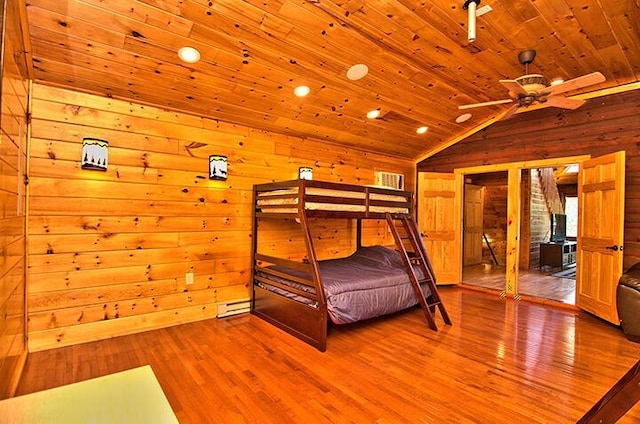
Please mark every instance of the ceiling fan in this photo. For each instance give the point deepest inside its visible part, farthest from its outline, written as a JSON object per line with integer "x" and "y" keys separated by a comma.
{"x": 530, "y": 89}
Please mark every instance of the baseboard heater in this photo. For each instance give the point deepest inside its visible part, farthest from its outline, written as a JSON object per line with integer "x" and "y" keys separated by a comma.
{"x": 233, "y": 308}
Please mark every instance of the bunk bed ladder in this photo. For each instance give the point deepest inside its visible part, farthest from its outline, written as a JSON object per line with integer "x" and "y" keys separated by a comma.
{"x": 418, "y": 256}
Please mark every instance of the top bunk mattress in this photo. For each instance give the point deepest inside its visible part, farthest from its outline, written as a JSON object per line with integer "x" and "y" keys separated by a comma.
{"x": 348, "y": 199}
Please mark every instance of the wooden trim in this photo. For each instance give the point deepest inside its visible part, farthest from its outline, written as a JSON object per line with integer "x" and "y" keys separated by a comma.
{"x": 542, "y": 163}
{"x": 617, "y": 401}
{"x": 459, "y": 138}
{"x": 26, "y": 39}
{"x": 513, "y": 230}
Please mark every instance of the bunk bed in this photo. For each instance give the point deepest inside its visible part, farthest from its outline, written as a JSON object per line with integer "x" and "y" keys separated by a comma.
{"x": 301, "y": 295}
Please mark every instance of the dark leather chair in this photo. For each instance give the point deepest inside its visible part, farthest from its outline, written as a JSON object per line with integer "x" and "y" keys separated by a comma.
{"x": 628, "y": 302}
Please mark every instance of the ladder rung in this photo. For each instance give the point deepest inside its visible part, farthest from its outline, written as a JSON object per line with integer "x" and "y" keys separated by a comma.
{"x": 414, "y": 254}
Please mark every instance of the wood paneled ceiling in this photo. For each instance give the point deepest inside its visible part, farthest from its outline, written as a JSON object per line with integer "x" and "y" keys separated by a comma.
{"x": 421, "y": 66}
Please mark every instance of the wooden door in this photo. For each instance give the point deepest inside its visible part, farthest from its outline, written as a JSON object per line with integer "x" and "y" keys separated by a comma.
{"x": 600, "y": 234}
{"x": 439, "y": 219}
{"x": 473, "y": 224}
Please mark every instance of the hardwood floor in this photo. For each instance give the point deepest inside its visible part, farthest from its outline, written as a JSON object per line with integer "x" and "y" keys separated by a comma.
{"x": 502, "y": 361}
{"x": 532, "y": 283}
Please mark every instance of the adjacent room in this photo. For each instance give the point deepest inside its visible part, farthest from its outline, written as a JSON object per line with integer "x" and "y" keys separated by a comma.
{"x": 320, "y": 211}
{"x": 547, "y": 269}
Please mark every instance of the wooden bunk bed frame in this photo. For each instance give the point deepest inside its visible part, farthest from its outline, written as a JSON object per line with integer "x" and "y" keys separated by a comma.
{"x": 306, "y": 199}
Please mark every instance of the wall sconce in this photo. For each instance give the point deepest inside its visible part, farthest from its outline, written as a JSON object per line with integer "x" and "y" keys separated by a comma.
{"x": 94, "y": 154}
{"x": 305, "y": 173}
{"x": 217, "y": 167}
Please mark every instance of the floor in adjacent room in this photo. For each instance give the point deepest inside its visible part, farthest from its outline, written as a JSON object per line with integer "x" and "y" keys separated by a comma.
{"x": 535, "y": 283}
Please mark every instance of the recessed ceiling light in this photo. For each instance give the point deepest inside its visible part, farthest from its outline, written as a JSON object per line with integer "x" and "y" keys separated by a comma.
{"x": 463, "y": 118}
{"x": 189, "y": 54}
{"x": 357, "y": 72}
{"x": 422, "y": 130}
{"x": 556, "y": 81}
{"x": 373, "y": 114}
{"x": 301, "y": 90}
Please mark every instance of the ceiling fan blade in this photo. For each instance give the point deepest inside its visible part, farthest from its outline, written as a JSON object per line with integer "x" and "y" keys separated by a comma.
{"x": 514, "y": 87}
{"x": 564, "y": 102}
{"x": 576, "y": 83}
{"x": 491, "y": 103}
{"x": 509, "y": 112}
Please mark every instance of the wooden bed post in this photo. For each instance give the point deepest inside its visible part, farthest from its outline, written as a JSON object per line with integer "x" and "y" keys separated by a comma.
{"x": 358, "y": 233}
{"x": 254, "y": 246}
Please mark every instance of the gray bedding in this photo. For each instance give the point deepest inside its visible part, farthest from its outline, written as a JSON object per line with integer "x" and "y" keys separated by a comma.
{"x": 371, "y": 282}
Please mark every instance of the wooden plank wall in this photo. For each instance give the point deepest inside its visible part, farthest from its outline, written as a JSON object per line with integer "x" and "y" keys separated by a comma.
{"x": 494, "y": 214}
{"x": 13, "y": 161}
{"x": 495, "y": 223}
{"x": 603, "y": 125}
{"x": 109, "y": 250}
{"x": 539, "y": 220}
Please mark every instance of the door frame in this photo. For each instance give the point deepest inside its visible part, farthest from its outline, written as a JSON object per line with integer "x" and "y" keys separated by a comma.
{"x": 514, "y": 201}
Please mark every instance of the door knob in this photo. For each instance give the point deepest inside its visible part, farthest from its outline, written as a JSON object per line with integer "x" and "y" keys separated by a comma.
{"x": 615, "y": 248}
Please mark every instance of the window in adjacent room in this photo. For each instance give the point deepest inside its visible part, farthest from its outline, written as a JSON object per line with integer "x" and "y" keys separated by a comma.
{"x": 571, "y": 210}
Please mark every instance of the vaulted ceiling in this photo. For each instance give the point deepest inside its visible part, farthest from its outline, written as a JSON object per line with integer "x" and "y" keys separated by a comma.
{"x": 253, "y": 53}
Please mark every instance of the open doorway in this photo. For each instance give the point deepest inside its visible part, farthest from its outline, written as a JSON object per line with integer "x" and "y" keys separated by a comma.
{"x": 552, "y": 234}
{"x": 547, "y": 195}
{"x": 599, "y": 254}
{"x": 485, "y": 230}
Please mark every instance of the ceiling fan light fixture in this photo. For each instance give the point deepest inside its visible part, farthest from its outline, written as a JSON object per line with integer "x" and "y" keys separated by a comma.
{"x": 189, "y": 54}
{"x": 532, "y": 82}
{"x": 463, "y": 118}
{"x": 357, "y": 71}
{"x": 530, "y": 89}
{"x": 373, "y": 114}
{"x": 422, "y": 130}
{"x": 301, "y": 90}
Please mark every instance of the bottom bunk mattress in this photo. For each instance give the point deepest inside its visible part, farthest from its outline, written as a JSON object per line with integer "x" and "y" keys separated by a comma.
{"x": 371, "y": 282}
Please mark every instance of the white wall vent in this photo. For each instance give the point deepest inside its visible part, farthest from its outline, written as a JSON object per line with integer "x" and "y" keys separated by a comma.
{"x": 390, "y": 180}
{"x": 233, "y": 308}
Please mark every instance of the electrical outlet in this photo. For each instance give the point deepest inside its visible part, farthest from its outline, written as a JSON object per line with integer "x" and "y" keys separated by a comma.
{"x": 188, "y": 278}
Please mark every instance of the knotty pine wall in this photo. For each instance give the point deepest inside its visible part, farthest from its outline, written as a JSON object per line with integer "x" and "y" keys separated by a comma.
{"x": 535, "y": 217}
{"x": 108, "y": 251}
{"x": 13, "y": 161}
{"x": 494, "y": 219}
{"x": 495, "y": 223}
{"x": 603, "y": 125}
{"x": 539, "y": 219}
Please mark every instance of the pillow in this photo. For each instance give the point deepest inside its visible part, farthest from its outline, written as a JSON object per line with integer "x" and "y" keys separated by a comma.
{"x": 379, "y": 254}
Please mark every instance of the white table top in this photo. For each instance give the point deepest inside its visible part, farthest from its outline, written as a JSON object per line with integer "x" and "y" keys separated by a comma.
{"x": 132, "y": 396}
